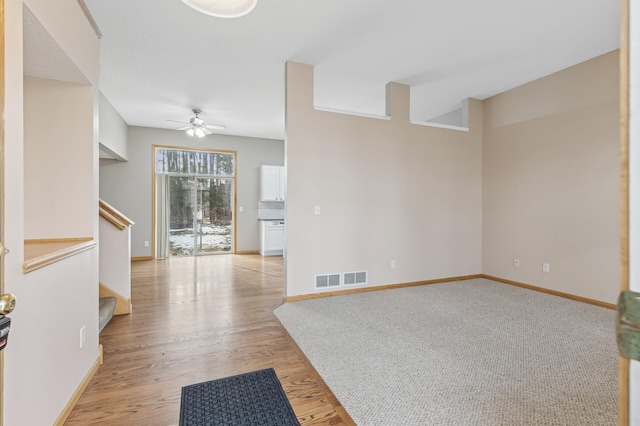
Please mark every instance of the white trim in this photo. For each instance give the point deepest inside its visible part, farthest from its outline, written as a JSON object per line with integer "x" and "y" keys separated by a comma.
{"x": 388, "y": 118}
{"x": 357, "y": 114}
{"x": 442, "y": 126}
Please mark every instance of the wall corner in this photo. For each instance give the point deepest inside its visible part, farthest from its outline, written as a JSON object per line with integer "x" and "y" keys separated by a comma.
{"x": 298, "y": 86}
{"x": 397, "y": 101}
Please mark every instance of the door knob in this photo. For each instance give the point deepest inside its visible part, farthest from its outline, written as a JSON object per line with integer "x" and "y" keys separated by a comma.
{"x": 3, "y": 250}
{"x": 7, "y": 304}
{"x": 628, "y": 325}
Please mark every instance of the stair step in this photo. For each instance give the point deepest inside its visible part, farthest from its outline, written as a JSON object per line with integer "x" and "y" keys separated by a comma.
{"x": 106, "y": 310}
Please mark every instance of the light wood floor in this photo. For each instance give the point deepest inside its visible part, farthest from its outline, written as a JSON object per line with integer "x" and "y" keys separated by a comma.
{"x": 193, "y": 320}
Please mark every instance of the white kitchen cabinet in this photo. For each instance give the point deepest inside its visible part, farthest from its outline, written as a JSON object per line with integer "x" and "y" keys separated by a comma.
{"x": 272, "y": 183}
{"x": 271, "y": 238}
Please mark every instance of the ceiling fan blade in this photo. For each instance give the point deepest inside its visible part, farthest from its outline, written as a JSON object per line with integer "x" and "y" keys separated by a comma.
{"x": 176, "y": 121}
{"x": 216, "y": 126}
{"x": 185, "y": 128}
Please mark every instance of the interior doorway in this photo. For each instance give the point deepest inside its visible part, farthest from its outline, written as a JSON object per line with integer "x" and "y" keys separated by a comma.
{"x": 195, "y": 202}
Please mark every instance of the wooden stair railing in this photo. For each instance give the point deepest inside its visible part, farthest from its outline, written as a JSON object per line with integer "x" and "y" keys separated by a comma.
{"x": 113, "y": 216}
{"x": 122, "y": 305}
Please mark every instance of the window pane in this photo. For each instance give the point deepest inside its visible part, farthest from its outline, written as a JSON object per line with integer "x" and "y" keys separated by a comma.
{"x": 194, "y": 162}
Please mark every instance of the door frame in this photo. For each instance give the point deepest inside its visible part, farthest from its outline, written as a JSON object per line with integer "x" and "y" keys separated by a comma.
{"x": 2, "y": 181}
{"x": 153, "y": 191}
{"x": 624, "y": 72}
{"x": 196, "y": 202}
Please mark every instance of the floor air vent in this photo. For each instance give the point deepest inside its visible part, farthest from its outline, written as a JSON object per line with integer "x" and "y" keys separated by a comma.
{"x": 353, "y": 278}
{"x": 327, "y": 281}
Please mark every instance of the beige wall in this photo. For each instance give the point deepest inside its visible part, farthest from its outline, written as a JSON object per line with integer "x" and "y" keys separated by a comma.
{"x": 538, "y": 169}
{"x": 387, "y": 190}
{"x": 43, "y": 363}
{"x": 57, "y": 154}
{"x": 550, "y": 181}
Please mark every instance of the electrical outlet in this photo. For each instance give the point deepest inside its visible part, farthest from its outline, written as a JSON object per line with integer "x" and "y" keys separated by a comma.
{"x": 545, "y": 267}
{"x": 241, "y": 209}
{"x": 316, "y": 209}
{"x": 516, "y": 263}
{"x": 146, "y": 243}
{"x": 393, "y": 264}
{"x": 83, "y": 336}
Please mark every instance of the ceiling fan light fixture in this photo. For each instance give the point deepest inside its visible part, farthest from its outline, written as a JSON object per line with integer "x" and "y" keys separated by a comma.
{"x": 197, "y": 127}
{"x": 222, "y": 8}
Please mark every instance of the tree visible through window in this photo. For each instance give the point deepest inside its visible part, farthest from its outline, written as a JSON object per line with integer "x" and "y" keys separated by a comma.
{"x": 200, "y": 200}
{"x": 194, "y": 162}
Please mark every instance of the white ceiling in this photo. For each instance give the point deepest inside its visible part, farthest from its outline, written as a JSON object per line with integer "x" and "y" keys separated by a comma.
{"x": 160, "y": 58}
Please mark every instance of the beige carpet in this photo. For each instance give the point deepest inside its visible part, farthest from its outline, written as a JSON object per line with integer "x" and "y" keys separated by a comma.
{"x": 465, "y": 353}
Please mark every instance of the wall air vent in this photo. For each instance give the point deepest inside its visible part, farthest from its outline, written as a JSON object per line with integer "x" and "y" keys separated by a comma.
{"x": 355, "y": 278}
{"x": 327, "y": 281}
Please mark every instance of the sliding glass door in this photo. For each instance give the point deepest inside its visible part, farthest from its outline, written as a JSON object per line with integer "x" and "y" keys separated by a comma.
{"x": 194, "y": 210}
{"x": 200, "y": 215}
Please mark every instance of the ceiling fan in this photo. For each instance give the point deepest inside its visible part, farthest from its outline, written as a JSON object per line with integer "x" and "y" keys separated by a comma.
{"x": 197, "y": 127}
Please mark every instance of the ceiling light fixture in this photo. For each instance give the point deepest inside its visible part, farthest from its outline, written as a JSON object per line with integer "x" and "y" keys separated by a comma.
{"x": 197, "y": 127}
{"x": 197, "y": 131}
{"x": 222, "y": 8}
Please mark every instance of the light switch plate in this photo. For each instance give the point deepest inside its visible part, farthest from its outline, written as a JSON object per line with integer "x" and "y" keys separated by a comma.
{"x": 83, "y": 336}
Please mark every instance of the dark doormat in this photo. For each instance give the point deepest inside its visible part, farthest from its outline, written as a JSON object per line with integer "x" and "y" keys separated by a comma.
{"x": 254, "y": 398}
